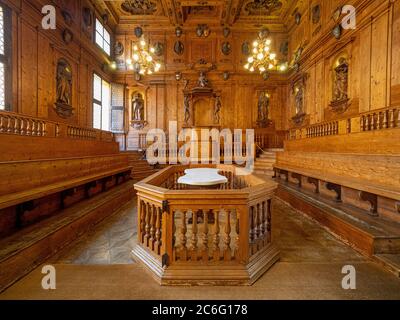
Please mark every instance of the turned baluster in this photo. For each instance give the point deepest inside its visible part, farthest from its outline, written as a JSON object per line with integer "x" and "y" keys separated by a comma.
{"x": 8, "y": 124}
{"x": 33, "y": 127}
{"x": 257, "y": 230}
{"x": 193, "y": 239}
{"x": 153, "y": 216}
{"x": 157, "y": 243}
{"x": 373, "y": 122}
{"x": 269, "y": 221}
{"x": 39, "y": 129}
{"x": 205, "y": 236}
{"x": 217, "y": 252}
{"x": 227, "y": 239}
{"x": 183, "y": 251}
{"x": 362, "y": 123}
{"x": 263, "y": 218}
{"x": 385, "y": 120}
{"x": 142, "y": 220}
{"x": 251, "y": 220}
{"x": 147, "y": 227}
{"x": 57, "y": 130}
{"x": 16, "y": 126}
{"x": 237, "y": 229}
{"x": 28, "y": 127}
{"x": 398, "y": 118}
{"x": 1, "y": 123}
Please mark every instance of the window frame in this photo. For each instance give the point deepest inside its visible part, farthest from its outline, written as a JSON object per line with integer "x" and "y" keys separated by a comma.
{"x": 99, "y": 102}
{"x": 102, "y": 36}
{"x": 6, "y": 58}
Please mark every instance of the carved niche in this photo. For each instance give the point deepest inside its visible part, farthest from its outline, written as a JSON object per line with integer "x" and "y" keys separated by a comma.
{"x": 202, "y": 104}
{"x": 298, "y": 91}
{"x": 63, "y": 104}
{"x": 179, "y": 47}
{"x": 138, "y": 118}
{"x": 263, "y": 105}
{"x": 340, "y": 81}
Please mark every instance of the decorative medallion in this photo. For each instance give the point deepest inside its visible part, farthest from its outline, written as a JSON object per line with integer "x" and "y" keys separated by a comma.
{"x": 225, "y": 75}
{"x": 265, "y": 75}
{"x": 178, "y": 31}
{"x": 67, "y": 36}
{"x": 316, "y": 14}
{"x": 246, "y": 48}
{"x": 264, "y": 33}
{"x": 226, "y": 32}
{"x": 336, "y": 14}
{"x": 139, "y": 7}
{"x": 337, "y": 31}
{"x": 297, "y": 18}
{"x": 158, "y": 49}
{"x": 67, "y": 17}
{"x": 226, "y": 48}
{"x": 284, "y": 48}
{"x": 138, "y": 32}
{"x": 203, "y": 30}
{"x": 118, "y": 49}
{"x": 179, "y": 47}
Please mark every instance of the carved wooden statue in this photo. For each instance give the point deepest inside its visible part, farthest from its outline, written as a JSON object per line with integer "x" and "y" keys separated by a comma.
{"x": 341, "y": 81}
{"x": 138, "y": 107}
{"x": 203, "y": 81}
{"x": 263, "y": 107}
{"x": 64, "y": 83}
{"x": 186, "y": 103}
{"x": 63, "y": 105}
{"x": 299, "y": 98}
{"x": 217, "y": 109}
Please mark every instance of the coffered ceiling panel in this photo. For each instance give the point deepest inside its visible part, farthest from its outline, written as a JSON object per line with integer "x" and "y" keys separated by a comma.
{"x": 234, "y": 13}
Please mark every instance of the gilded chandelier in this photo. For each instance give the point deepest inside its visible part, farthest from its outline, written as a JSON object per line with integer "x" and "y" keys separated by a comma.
{"x": 142, "y": 60}
{"x": 261, "y": 58}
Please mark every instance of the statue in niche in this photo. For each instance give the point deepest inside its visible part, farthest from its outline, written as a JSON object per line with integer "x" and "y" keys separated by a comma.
{"x": 341, "y": 81}
{"x": 299, "y": 99}
{"x": 340, "y": 101}
{"x": 263, "y": 110}
{"x": 138, "y": 107}
{"x": 64, "y": 89}
{"x": 263, "y": 106}
{"x": 217, "y": 109}
{"x": 186, "y": 105}
{"x": 203, "y": 81}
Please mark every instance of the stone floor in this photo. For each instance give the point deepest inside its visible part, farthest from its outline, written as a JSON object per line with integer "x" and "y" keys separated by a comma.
{"x": 99, "y": 266}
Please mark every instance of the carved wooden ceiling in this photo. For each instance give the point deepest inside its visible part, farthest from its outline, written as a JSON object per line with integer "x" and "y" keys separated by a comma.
{"x": 246, "y": 14}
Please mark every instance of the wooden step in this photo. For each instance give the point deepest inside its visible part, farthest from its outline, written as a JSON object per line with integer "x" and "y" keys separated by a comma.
{"x": 368, "y": 234}
{"x": 390, "y": 261}
{"x": 28, "y": 248}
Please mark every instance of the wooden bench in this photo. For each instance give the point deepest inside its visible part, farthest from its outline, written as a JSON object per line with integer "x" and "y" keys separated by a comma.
{"x": 356, "y": 196}
{"x": 43, "y": 187}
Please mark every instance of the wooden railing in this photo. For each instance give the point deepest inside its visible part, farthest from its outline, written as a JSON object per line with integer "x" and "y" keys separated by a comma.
{"x": 387, "y": 118}
{"x": 267, "y": 139}
{"x": 22, "y": 125}
{"x": 199, "y": 229}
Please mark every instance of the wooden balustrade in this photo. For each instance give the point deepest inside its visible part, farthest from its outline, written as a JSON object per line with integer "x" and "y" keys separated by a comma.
{"x": 380, "y": 119}
{"x": 203, "y": 236}
{"x": 388, "y": 118}
{"x": 22, "y": 125}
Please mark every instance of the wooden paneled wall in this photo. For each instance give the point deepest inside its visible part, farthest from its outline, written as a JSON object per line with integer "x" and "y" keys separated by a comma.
{"x": 239, "y": 94}
{"x": 35, "y": 55}
{"x": 372, "y": 49}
